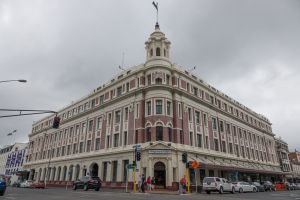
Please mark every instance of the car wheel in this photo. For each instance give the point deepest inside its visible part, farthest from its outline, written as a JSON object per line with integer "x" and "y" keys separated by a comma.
{"x": 74, "y": 187}
{"x": 85, "y": 187}
{"x": 254, "y": 190}
{"x": 221, "y": 190}
{"x": 97, "y": 189}
{"x": 2, "y": 193}
{"x": 207, "y": 192}
{"x": 233, "y": 190}
{"x": 241, "y": 190}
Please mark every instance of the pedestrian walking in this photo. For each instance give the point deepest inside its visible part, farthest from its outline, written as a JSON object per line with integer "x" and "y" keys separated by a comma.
{"x": 182, "y": 185}
{"x": 143, "y": 183}
{"x": 153, "y": 183}
{"x": 149, "y": 186}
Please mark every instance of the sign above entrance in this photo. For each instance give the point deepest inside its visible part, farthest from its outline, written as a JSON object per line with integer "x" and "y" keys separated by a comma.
{"x": 160, "y": 151}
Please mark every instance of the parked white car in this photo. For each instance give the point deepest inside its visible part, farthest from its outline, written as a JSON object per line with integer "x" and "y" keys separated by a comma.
{"x": 26, "y": 184}
{"x": 217, "y": 184}
{"x": 244, "y": 187}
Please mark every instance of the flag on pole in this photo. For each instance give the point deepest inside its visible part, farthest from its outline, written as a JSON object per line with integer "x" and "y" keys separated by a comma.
{"x": 155, "y": 5}
{"x": 9, "y": 134}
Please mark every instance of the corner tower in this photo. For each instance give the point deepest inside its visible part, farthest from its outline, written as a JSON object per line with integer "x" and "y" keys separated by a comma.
{"x": 157, "y": 48}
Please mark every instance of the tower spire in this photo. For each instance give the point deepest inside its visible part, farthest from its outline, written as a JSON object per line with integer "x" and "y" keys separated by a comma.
{"x": 156, "y": 7}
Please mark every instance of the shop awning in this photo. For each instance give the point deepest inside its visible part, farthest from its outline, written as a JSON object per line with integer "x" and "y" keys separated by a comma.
{"x": 234, "y": 165}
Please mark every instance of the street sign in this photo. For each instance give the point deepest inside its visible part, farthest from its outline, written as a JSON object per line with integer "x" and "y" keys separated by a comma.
{"x": 130, "y": 166}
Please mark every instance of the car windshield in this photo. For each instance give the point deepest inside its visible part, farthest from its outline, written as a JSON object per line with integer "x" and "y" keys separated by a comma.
{"x": 96, "y": 178}
{"x": 209, "y": 179}
{"x": 85, "y": 178}
{"x": 256, "y": 184}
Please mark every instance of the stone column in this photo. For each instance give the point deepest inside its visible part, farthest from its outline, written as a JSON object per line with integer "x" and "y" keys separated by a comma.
{"x": 150, "y": 168}
{"x": 109, "y": 169}
{"x": 169, "y": 172}
{"x": 120, "y": 171}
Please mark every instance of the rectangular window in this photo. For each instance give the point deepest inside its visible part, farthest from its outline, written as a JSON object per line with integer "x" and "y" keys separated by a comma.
{"x": 116, "y": 140}
{"x": 63, "y": 151}
{"x": 125, "y": 138}
{"x": 88, "y": 146}
{"x": 101, "y": 99}
{"x": 148, "y": 107}
{"x": 83, "y": 128}
{"x": 69, "y": 150}
{"x": 99, "y": 123}
{"x": 137, "y": 112}
{"x": 126, "y": 114}
{"x": 97, "y": 143}
{"x": 214, "y": 123}
{"x": 216, "y": 144}
{"x": 136, "y": 137}
{"x": 109, "y": 119}
{"x": 118, "y": 117}
{"x": 181, "y": 137}
{"x": 237, "y": 152}
{"x": 221, "y": 126}
{"x": 179, "y": 110}
{"x": 74, "y": 148}
{"x": 149, "y": 79}
{"x": 91, "y": 122}
{"x": 191, "y": 138}
{"x": 230, "y": 148}
{"x": 206, "y": 142}
{"x": 119, "y": 91}
{"x": 168, "y": 108}
{"x": 197, "y": 113}
{"x": 107, "y": 141}
{"x": 190, "y": 114}
{"x": 205, "y": 119}
{"x": 199, "y": 140}
{"x": 159, "y": 106}
{"x": 223, "y": 146}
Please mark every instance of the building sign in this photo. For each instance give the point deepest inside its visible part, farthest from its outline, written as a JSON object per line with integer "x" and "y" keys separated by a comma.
{"x": 160, "y": 151}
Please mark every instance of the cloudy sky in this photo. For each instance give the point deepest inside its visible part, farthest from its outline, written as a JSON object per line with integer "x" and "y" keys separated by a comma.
{"x": 250, "y": 50}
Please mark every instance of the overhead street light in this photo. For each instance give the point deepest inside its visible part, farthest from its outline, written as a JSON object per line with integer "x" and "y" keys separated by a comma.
{"x": 19, "y": 80}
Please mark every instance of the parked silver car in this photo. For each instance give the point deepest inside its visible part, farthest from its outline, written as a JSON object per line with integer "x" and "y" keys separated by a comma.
{"x": 244, "y": 187}
{"x": 217, "y": 184}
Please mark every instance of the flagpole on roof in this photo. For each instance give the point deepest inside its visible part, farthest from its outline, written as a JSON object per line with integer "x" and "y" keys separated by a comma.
{"x": 156, "y": 7}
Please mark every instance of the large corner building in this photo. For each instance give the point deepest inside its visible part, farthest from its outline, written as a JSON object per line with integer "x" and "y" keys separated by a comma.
{"x": 166, "y": 110}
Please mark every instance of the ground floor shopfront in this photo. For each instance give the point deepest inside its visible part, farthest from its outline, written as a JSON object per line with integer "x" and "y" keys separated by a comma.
{"x": 159, "y": 160}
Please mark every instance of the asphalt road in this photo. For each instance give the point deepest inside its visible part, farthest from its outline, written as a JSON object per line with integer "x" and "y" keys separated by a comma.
{"x": 60, "y": 193}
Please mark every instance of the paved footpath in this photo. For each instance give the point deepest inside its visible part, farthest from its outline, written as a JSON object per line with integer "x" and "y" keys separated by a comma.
{"x": 60, "y": 193}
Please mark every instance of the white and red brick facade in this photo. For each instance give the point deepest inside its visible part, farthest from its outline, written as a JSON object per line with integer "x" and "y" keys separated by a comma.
{"x": 165, "y": 109}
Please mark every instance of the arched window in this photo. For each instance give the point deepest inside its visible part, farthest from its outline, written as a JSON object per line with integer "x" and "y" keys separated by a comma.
{"x": 159, "y": 133}
{"x": 165, "y": 53}
{"x": 170, "y": 134}
{"x": 151, "y": 52}
{"x": 157, "y": 51}
{"x": 148, "y": 134}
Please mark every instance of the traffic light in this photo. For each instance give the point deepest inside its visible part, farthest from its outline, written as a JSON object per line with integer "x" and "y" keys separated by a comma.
{"x": 184, "y": 157}
{"x": 134, "y": 163}
{"x": 138, "y": 155}
{"x": 56, "y": 122}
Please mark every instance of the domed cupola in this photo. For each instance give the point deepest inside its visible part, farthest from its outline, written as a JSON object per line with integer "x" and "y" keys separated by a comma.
{"x": 157, "y": 47}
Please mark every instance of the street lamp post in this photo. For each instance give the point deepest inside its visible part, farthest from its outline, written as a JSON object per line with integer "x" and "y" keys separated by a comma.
{"x": 19, "y": 80}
